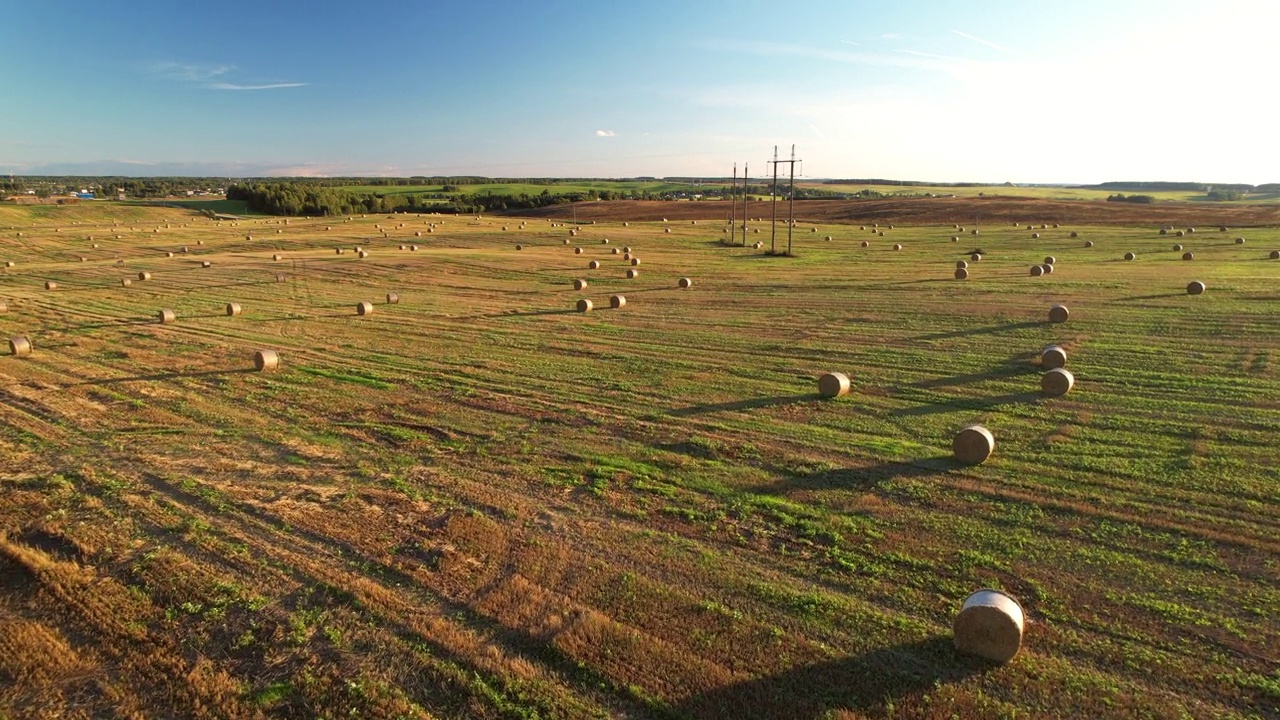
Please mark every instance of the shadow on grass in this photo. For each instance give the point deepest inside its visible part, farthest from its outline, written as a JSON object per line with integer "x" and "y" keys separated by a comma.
{"x": 100, "y": 325}
{"x": 863, "y": 478}
{"x": 980, "y": 404}
{"x": 167, "y": 376}
{"x": 1012, "y": 367}
{"x": 1152, "y": 297}
{"x": 864, "y": 683}
{"x": 744, "y": 404}
{"x": 989, "y": 330}
{"x": 533, "y": 313}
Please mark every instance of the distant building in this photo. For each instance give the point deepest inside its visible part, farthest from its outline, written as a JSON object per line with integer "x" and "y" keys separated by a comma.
{"x": 85, "y": 195}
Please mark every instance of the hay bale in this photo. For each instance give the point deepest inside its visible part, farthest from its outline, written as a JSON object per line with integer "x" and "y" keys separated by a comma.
{"x": 125, "y": 282}
{"x": 1179, "y": 233}
{"x": 1059, "y": 314}
{"x": 266, "y": 360}
{"x": 1222, "y": 228}
{"x": 1164, "y": 231}
{"x": 627, "y": 249}
{"x": 593, "y": 265}
{"x": 50, "y": 285}
{"x": 393, "y": 299}
{"x": 579, "y": 284}
{"x": 417, "y": 233}
{"x": 626, "y": 256}
{"x": 1049, "y": 260}
{"x": 1177, "y": 248}
{"x": 881, "y": 233}
{"x": 364, "y": 308}
{"x": 166, "y": 316}
{"x": 277, "y": 257}
{"x": 1075, "y": 234}
{"x": 168, "y": 254}
{"x": 866, "y": 244}
{"x": 1053, "y": 357}
{"x": 1239, "y": 241}
{"x": 1057, "y": 382}
{"x": 1188, "y": 255}
{"x": 186, "y": 249}
{"x": 281, "y": 277}
{"x": 1275, "y": 255}
{"x": 1130, "y": 256}
{"x": 577, "y": 251}
{"x": 233, "y": 309}
{"x": 206, "y": 264}
{"x": 413, "y": 248}
{"x": 989, "y": 626}
{"x": 962, "y": 264}
{"x": 1190, "y": 230}
{"x": 973, "y": 445}
{"x": 362, "y": 254}
{"x": 862, "y": 227}
{"x": 1048, "y": 269}
{"x": 635, "y": 261}
{"x": 626, "y": 224}
{"x": 617, "y": 301}
{"x": 897, "y": 246}
{"x": 339, "y": 251}
{"x": 584, "y": 305}
{"x": 604, "y": 241}
{"x": 955, "y": 238}
{"x": 669, "y": 230}
{"x": 615, "y": 251}
{"x": 504, "y": 228}
{"x": 833, "y": 384}
{"x": 402, "y": 247}
{"x": 1056, "y": 225}
{"x": 1035, "y": 236}
{"x": 828, "y": 238}
{"x": 1195, "y": 287}
{"x": 962, "y": 274}
{"x": 757, "y": 245}
{"x": 632, "y": 273}
{"x": 19, "y": 346}
{"x": 248, "y": 237}
{"x": 519, "y": 247}
{"x": 1088, "y": 243}
{"x": 684, "y": 282}
{"x": 4, "y": 306}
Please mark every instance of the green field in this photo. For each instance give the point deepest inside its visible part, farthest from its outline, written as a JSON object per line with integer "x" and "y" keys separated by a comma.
{"x": 559, "y": 188}
{"x": 480, "y": 503}
{"x": 1042, "y": 192}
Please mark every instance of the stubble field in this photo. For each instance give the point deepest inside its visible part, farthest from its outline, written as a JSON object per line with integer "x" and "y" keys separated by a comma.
{"x": 478, "y": 502}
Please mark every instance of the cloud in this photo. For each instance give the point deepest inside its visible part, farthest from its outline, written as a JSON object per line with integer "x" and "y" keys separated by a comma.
{"x": 268, "y": 86}
{"x": 850, "y": 42}
{"x": 987, "y": 43}
{"x": 605, "y": 133}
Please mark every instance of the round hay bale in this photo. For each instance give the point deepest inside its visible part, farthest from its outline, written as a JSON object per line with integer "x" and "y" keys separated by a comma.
{"x": 897, "y": 246}
{"x": 632, "y": 273}
{"x": 1130, "y": 256}
{"x": 1059, "y": 314}
{"x": 1177, "y": 248}
{"x": 579, "y": 284}
{"x": 280, "y": 277}
{"x": 1048, "y": 269}
{"x": 604, "y": 241}
{"x": 862, "y": 227}
{"x": 833, "y": 384}
{"x": 973, "y": 445}
{"x": 519, "y": 247}
{"x": 757, "y": 245}
{"x": 866, "y": 244}
{"x": 417, "y": 233}
{"x": 627, "y": 249}
{"x": 684, "y": 282}
{"x": 1190, "y": 230}
{"x": 828, "y": 238}
{"x": 1188, "y": 255}
{"x": 1164, "y": 231}
{"x": 328, "y": 227}
{"x": 962, "y": 264}
{"x": 266, "y": 360}
{"x": 1275, "y": 255}
{"x": 617, "y": 301}
{"x": 96, "y": 246}
{"x": 1195, "y": 287}
{"x": 975, "y": 257}
{"x": 1088, "y": 243}
{"x": 615, "y": 251}
{"x": 248, "y": 237}
{"x": 593, "y": 265}
{"x": 881, "y": 233}
{"x": 364, "y": 308}
{"x": 635, "y": 261}
{"x": 339, "y": 251}
{"x": 233, "y": 309}
{"x": 83, "y": 258}
{"x": 125, "y": 282}
{"x": 962, "y": 274}
{"x": 1056, "y": 225}
{"x": 577, "y": 251}
{"x": 50, "y": 285}
{"x": 955, "y": 238}
{"x": 1053, "y": 357}
{"x": 1035, "y": 236}
{"x": 626, "y": 256}
{"x": 186, "y": 249}
{"x": 973, "y": 231}
{"x": 205, "y": 264}
{"x": 989, "y": 626}
{"x": 402, "y": 247}
{"x": 1075, "y": 234}
{"x": 19, "y": 346}
{"x": 1049, "y": 260}
{"x": 1239, "y": 241}
{"x": 277, "y": 257}
{"x": 626, "y": 224}
{"x": 413, "y": 248}
{"x": 584, "y": 305}
{"x": 166, "y": 316}
{"x": 168, "y": 254}
{"x": 504, "y": 228}
{"x": 1222, "y": 228}
{"x": 362, "y": 254}
{"x": 1057, "y": 382}
{"x": 669, "y": 230}
{"x": 1179, "y": 233}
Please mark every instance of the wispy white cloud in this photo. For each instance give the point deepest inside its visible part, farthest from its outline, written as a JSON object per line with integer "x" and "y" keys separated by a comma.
{"x": 605, "y": 133}
{"x": 854, "y": 57}
{"x": 268, "y": 86}
{"x": 850, "y": 42}
{"x": 985, "y": 42}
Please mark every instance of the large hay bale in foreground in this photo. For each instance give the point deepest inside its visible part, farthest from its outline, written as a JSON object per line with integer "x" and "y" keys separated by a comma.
{"x": 19, "y": 346}
{"x": 1053, "y": 357}
{"x": 962, "y": 274}
{"x": 166, "y": 316}
{"x": 617, "y": 301}
{"x": 1057, "y": 382}
{"x": 584, "y": 305}
{"x": 973, "y": 445}
{"x": 1059, "y": 314}
{"x": 579, "y": 284}
{"x": 833, "y": 384}
{"x": 1195, "y": 287}
{"x": 684, "y": 282}
{"x": 364, "y": 308}
{"x": 989, "y": 625}
{"x": 266, "y": 360}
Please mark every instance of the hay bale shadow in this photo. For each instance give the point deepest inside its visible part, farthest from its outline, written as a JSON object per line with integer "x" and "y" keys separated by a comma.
{"x": 863, "y": 478}
{"x": 751, "y": 404}
{"x": 1011, "y": 367}
{"x": 166, "y": 376}
{"x": 975, "y": 404}
{"x": 989, "y": 330}
{"x": 864, "y": 683}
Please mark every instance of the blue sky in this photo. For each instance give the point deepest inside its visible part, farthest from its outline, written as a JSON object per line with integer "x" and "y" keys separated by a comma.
{"x": 1082, "y": 91}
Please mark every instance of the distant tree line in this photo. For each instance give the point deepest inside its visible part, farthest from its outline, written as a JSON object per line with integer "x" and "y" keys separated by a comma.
{"x": 1120, "y": 197}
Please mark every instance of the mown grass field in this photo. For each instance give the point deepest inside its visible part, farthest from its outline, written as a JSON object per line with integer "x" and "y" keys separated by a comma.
{"x": 479, "y": 503}
{"x": 559, "y": 188}
{"x": 1042, "y": 192}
